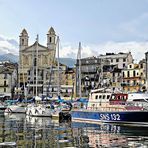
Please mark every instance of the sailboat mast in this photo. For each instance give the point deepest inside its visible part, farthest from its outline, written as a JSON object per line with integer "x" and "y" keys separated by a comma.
{"x": 79, "y": 59}
{"x": 58, "y": 80}
{"x": 37, "y": 64}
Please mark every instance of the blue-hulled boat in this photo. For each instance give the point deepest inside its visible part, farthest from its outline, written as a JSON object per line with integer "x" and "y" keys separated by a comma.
{"x": 104, "y": 106}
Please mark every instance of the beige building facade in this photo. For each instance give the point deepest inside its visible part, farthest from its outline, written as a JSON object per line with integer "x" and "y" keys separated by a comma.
{"x": 35, "y": 60}
{"x": 134, "y": 77}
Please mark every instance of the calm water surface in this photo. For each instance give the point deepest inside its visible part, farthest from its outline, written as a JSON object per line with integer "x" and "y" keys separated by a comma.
{"x": 18, "y": 130}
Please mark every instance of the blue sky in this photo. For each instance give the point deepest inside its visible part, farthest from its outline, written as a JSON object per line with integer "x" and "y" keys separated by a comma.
{"x": 101, "y": 25}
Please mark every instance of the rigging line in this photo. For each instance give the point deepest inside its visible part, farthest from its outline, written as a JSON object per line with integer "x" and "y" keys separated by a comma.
{"x": 58, "y": 64}
{"x": 51, "y": 67}
{"x": 79, "y": 72}
{"x": 37, "y": 40}
{"x": 33, "y": 64}
{"x": 22, "y": 67}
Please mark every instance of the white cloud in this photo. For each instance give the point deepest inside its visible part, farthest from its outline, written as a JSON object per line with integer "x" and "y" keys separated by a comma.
{"x": 68, "y": 50}
{"x": 137, "y": 49}
{"x": 8, "y": 45}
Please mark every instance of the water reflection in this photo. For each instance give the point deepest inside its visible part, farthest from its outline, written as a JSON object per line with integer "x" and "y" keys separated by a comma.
{"x": 19, "y": 130}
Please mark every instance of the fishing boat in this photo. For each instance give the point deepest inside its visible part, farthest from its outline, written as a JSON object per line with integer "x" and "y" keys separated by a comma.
{"x": 110, "y": 107}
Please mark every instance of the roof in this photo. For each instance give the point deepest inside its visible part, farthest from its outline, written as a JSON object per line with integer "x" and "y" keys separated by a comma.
{"x": 51, "y": 31}
{"x": 119, "y": 55}
{"x": 34, "y": 45}
{"x": 24, "y": 32}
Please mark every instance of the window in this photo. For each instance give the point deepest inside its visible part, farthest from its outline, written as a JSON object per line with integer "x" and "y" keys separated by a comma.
{"x": 117, "y": 60}
{"x": 141, "y": 65}
{"x": 128, "y": 74}
{"x": 108, "y": 96}
{"x": 50, "y": 39}
{"x": 100, "y": 97}
{"x": 134, "y": 82}
{"x": 111, "y": 60}
{"x": 124, "y": 60}
{"x": 35, "y": 61}
{"x": 134, "y": 73}
{"x": 113, "y": 74}
{"x": 4, "y": 83}
{"x": 4, "y": 89}
{"x": 128, "y": 82}
{"x": 22, "y": 41}
{"x": 130, "y": 66}
{"x": 5, "y": 76}
{"x": 96, "y": 97}
{"x": 123, "y": 65}
{"x": 103, "y": 96}
{"x": 123, "y": 74}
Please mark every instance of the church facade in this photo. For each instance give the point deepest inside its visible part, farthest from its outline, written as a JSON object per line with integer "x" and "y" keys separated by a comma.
{"x": 35, "y": 61}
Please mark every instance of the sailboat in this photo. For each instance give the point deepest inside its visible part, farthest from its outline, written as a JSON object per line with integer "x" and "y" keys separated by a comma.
{"x": 61, "y": 106}
{"x": 40, "y": 109}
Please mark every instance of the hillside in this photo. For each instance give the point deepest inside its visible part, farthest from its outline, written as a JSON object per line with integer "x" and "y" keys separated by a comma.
{"x": 14, "y": 58}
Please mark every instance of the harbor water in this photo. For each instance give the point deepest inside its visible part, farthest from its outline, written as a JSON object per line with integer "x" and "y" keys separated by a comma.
{"x": 21, "y": 131}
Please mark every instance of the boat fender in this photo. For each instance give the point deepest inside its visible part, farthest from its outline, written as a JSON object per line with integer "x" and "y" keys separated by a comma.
{"x": 36, "y": 111}
{"x": 9, "y": 110}
{"x": 30, "y": 113}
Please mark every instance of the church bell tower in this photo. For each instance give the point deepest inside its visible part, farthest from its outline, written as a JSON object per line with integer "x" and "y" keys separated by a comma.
{"x": 23, "y": 42}
{"x": 51, "y": 39}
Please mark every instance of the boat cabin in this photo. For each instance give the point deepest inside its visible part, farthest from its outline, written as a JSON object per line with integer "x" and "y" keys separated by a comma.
{"x": 118, "y": 98}
{"x": 138, "y": 96}
{"x": 106, "y": 99}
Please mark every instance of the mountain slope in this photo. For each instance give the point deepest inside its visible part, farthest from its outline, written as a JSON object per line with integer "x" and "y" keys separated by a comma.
{"x": 9, "y": 57}
{"x": 68, "y": 61}
{"x": 14, "y": 58}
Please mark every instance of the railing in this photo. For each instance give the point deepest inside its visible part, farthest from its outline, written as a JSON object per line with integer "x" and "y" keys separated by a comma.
{"x": 121, "y": 106}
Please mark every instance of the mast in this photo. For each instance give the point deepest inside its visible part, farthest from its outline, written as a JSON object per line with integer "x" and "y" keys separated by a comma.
{"x": 79, "y": 60}
{"x": 37, "y": 64}
{"x": 58, "y": 80}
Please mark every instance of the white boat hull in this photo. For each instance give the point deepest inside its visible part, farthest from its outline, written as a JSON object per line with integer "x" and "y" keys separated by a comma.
{"x": 38, "y": 111}
{"x": 16, "y": 108}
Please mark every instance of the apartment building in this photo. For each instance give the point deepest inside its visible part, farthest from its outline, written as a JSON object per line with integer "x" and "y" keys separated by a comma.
{"x": 120, "y": 59}
{"x": 8, "y": 78}
{"x": 134, "y": 77}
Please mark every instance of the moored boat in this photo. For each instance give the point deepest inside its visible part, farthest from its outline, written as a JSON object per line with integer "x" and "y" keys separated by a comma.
{"x": 38, "y": 110}
{"x": 113, "y": 108}
{"x": 16, "y": 108}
